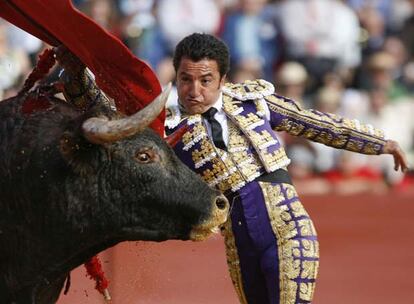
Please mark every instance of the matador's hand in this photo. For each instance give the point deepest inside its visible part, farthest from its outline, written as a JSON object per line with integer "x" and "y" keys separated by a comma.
{"x": 68, "y": 60}
{"x": 400, "y": 160}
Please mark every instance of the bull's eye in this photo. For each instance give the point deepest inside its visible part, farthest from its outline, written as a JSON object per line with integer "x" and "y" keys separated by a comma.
{"x": 146, "y": 156}
{"x": 143, "y": 157}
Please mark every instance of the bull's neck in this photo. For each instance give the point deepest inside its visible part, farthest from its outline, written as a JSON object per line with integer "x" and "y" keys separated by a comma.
{"x": 42, "y": 254}
{"x": 43, "y": 275}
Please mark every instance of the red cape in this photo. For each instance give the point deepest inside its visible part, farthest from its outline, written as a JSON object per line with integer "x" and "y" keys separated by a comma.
{"x": 125, "y": 78}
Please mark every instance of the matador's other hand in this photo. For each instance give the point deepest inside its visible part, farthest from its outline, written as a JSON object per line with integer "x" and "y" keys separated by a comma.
{"x": 400, "y": 160}
{"x": 68, "y": 60}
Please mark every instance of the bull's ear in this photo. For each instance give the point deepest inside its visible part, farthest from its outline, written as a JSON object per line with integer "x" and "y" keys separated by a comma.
{"x": 77, "y": 152}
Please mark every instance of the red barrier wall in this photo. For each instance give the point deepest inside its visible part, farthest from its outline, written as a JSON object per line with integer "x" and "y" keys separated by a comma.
{"x": 366, "y": 247}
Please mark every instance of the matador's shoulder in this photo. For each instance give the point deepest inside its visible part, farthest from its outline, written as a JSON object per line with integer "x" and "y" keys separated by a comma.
{"x": 249, "y": 90}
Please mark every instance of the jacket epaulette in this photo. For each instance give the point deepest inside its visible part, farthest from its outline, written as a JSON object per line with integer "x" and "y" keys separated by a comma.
{"x": 249, "y": 90}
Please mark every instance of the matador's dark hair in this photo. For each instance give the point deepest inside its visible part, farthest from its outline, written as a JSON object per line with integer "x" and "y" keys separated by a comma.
{"x": 200, "y": 46}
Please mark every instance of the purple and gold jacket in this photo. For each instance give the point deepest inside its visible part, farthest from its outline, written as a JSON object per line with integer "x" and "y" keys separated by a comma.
{"x": 253, "y": 148}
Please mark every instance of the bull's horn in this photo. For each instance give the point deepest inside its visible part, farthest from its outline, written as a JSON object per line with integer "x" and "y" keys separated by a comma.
{"x": 100, "y": 130}
{"x": 174, "y": 138}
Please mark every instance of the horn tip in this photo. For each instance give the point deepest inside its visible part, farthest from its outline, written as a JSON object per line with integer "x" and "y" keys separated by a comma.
{"x": 168, "y": 87}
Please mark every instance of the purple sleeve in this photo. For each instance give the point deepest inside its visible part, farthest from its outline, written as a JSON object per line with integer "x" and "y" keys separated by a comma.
{"x": 329, "y": 129}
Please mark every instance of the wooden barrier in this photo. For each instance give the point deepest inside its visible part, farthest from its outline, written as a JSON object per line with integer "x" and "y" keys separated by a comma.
{"x": 366, "y": 247}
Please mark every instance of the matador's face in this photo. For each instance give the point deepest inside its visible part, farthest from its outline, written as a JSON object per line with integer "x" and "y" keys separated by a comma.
{"x": 198, "y": 84}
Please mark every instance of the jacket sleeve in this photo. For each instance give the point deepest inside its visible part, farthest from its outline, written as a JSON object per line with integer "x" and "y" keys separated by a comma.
{"x": 326, "y": 128}
{"x": 81, "y": 90}
{"x": 79, "y": 87}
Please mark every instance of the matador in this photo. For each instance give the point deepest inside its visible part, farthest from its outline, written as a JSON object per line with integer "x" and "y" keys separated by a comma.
{"x": 271, "y": 243}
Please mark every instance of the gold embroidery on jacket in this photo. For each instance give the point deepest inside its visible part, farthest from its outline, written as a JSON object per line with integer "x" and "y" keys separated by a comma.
{"x": 339, "y": 141}
{"x": 250, "y": 121}
{"x": 354, "y": 145}
{"x": 371, "y": 148}
{"x": 324, "y": 137}
{"x": 271, "y": 161}
{"x": 237, "y": 142}
{"x": 234, "y": 108}
{"x": 262, "y": 140}
{"x": 229, "y": 170}
{"x": 310, "y": 133}
{"x": 292, "y": 127}
{"x": 249, "y": 90}
{"x": 205, "y": 154}
{"x": 194, "y": 135}
{"x": 342, "y": 128}
{"x": 276, "y": 159}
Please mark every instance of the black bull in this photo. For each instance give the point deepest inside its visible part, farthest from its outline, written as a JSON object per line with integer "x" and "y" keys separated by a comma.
{"x": 67, "y": 194}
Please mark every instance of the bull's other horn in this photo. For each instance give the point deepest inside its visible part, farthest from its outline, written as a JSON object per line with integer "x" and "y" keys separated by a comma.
{"x": 100, "y": 130}
{"x": 173, "y": 138}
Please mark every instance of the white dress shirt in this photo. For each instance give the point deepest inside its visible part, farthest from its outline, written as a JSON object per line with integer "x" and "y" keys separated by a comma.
{"x": 221, "y": 117}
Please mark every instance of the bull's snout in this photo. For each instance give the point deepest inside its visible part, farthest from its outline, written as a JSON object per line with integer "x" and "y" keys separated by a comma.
{"x": 222, "y": 203}
{"x": 220, "y": 210}
{"x": 218, "y": 215}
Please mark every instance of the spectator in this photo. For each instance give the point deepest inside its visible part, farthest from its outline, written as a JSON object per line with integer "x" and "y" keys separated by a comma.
{"x": 166, "y": 74}
{"x": 291, "y": 80}
{"x": 385, "y": 114}
{"x": 374, "y": 27}
{"x": 408, "y": 77}
{"x": 394, "y": 46}
{"x": 178, "y": 18}
{"x": 351, "y": 177}
{"x": 143, "y": 33}
{"x": 383, "y": 7}
{"x": 407, "y": 34}
{"x": 14, "y": 62}
{"x": 393, "y": 13}
{"x": 19, "y": 39}
{"x": 381, "y": 67}
{"x": 321, "y": 34}
{"x": 302, "y": 171}
{"x": 138, "y": 15}
{"x": 103, "y": 12}
{"x": 253, "y": 38}
{"x": 242, "y": 73}
{"x": 401, "y": 10}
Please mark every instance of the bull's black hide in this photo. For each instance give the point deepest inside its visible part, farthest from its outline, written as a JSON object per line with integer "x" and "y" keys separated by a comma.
{"x": 63, "y": 199}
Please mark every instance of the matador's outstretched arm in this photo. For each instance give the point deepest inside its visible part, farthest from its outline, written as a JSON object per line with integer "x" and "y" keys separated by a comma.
{"x": 332, "y": 130}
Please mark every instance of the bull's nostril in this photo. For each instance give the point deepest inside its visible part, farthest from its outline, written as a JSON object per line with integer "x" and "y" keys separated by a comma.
{"x": 221, "y": 202}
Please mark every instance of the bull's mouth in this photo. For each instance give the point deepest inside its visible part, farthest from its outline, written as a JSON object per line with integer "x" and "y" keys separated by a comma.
{"x": 211, "y": 225}
{"x": 200, "y": 233}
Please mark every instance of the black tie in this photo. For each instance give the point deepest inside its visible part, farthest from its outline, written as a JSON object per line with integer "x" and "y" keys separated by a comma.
{"x": 216, "y": 129}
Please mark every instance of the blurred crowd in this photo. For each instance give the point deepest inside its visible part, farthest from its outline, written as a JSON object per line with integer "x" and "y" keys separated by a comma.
{"x": 354, "y": 58}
